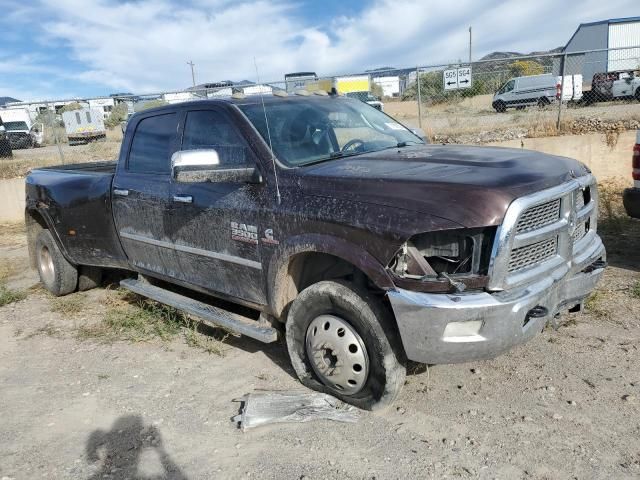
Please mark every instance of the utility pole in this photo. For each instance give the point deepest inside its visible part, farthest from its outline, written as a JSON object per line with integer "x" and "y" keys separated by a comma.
{"x": 469, "y": 45}
{"x": 193, "y": 73}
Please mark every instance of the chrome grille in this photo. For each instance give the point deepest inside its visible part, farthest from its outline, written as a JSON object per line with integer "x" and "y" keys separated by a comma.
{"x": 539, "y": 216}
{"x": 579, "y": 232}
{"x": 580, "y": 199}
{"x": 525, "y": 257}
{"x": 544, "y": 231}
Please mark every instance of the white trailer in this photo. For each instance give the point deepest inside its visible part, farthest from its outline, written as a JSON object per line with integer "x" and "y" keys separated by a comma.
{"x": 390, "y": 85}
{"x": 84, "y": 125}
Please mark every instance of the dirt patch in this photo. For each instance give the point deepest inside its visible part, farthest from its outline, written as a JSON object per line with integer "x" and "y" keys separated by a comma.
{"x": 565, "y": 405}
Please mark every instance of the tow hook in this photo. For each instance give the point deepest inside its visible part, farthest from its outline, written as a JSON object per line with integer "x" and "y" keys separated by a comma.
{"x": 537, "y": 312}
{"x": 595, "y": 266}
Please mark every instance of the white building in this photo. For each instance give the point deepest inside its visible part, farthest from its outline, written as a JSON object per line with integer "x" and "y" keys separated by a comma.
{"x": 178, "y": 97}
{"x": 390, "y": 85}
{"x": 608, "y": 45}
{"x": 104, "y": 104}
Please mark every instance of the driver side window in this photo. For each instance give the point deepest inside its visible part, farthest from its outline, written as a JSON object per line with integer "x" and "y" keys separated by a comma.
{"x": 509, "y": 86}
{"x": 212, "y": 130}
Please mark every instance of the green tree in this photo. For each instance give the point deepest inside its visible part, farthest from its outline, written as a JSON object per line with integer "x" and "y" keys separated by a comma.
{"x": 118, "y": 114}
{"x": 524, "y": 68}
{"x": 376, "y": 90}
{"x": 69, "y": 107}
{"x": 150, "y": 104}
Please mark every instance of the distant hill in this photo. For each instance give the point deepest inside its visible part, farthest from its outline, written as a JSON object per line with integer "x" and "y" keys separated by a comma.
{"x": 5, "y": 100}
{"x": 507, "y": 55}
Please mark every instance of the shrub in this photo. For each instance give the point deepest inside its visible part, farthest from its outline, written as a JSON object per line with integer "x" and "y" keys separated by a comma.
{"x": 70, "y": 107}
{"x": 524, "y": 68}
{"x": 150, "y": 104}
{"x": 117, "y": 115}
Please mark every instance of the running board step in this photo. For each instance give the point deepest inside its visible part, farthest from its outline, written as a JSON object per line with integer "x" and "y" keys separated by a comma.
{"x": 207, "y": 313}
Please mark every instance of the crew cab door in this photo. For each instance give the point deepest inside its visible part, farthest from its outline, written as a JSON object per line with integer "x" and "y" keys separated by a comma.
{"x": 216, "y": 225}
{"x": 141, "y": 196}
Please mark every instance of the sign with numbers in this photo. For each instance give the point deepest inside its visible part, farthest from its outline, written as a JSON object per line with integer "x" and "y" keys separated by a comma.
{"x": 456, "y": 78}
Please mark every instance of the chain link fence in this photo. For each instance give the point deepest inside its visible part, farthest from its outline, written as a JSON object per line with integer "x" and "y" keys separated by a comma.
{"x": 492, "y": 100}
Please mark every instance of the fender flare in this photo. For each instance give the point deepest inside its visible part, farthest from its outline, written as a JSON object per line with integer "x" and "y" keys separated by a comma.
{"x": 319, "y": 243}
{"x": 50, "y": 226}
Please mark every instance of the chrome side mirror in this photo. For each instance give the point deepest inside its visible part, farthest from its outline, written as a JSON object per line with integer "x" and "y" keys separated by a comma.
{"x": 200, "y": 166}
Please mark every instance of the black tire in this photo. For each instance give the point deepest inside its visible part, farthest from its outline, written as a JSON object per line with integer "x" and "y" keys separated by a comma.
{"x": 56, "y": 273}
{"x": 368, "y": 317}
{"x": 89, "y": 277}
{"x": 543, "y": 102}
{"x": 637, "y": 95}
{"x": 500, "y": 106}
{"x": 5, "y": 149}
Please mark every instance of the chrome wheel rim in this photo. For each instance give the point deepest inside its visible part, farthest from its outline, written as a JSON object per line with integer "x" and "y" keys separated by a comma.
{"x": 47, "y": 270}
{"x": 337, "y": 354}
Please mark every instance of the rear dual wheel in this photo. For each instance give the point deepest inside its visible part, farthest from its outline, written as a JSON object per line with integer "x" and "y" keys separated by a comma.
{"x": 342, "y": 341}
{"x": 58, "y": 275}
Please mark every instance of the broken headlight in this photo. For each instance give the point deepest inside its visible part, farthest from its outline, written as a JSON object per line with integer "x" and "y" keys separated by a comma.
{"x": 454, "y": 259}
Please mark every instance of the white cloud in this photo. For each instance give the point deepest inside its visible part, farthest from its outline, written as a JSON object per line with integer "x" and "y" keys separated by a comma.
{"x": 143, "y": 46}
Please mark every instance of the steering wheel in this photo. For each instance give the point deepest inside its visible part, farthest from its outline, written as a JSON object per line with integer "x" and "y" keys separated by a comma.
{"x": 351, "y": 143}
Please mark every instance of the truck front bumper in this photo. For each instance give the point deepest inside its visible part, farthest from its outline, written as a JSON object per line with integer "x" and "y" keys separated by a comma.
{"x": 454, "y": 328}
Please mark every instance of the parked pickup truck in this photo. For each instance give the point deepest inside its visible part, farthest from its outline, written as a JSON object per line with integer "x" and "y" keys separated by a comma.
{"x": 323, "y": 216}
{"x": 631, "y": 196}
{"x": 616, "y": 85}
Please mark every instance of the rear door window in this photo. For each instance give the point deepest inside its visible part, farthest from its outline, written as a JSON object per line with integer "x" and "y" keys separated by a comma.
{"x": 151, "y": 144}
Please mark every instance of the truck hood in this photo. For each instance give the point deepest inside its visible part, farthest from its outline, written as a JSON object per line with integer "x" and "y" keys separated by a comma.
{"x": 471, "y": 186}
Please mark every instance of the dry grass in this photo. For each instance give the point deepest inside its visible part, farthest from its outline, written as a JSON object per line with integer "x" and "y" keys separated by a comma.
{"x": 211, "y": 340}
{"x": 596, "y": 304}
{"x": 8, "y": 295}
{"x": 24, "y": 161}
{"x": 132, "y": 318}
{"x": 69, "y": 305}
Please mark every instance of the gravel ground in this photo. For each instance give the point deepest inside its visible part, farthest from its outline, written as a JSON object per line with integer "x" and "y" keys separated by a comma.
{"x": 566, "y": 405}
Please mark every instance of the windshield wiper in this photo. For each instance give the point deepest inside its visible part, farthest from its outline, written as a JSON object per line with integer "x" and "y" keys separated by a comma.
{"x": 406, "y": 144}
{"x": 333, "y": 156}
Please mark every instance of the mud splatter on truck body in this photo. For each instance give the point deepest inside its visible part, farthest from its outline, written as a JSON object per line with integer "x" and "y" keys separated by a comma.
{"x": 391, "y": 214}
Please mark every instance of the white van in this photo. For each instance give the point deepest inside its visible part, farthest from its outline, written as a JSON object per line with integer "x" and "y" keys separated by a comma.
{"x": 541, "y": 90}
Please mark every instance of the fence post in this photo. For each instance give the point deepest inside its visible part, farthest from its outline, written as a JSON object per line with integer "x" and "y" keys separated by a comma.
{"x": 563, "y": 63}
{"x": 419, "y": 97}
{"x": 52, "y": 115}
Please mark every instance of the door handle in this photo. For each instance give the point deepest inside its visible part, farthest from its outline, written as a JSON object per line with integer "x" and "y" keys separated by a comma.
{"x": 183, "y": 198}
{"x": 121, "y": 192}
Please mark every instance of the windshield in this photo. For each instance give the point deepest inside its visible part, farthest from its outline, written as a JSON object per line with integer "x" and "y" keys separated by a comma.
{"x": 14, "y": 126}
{"x": 318, "y": 129}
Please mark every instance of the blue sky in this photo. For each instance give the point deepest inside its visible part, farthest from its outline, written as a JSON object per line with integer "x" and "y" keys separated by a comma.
{"x": 77, "y": 48}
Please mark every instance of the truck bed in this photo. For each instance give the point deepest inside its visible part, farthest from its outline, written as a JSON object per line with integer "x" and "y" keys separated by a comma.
{"x": 77, "y": 199}
{"x": 94, "y": 168}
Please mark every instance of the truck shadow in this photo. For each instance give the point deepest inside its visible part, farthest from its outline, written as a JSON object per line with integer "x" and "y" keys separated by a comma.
{"x": 276, "y": 351}
{"x": 130, "y": 449}
{"x": 621, "y": 238}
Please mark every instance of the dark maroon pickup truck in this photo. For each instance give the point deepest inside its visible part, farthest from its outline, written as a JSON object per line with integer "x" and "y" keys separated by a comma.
{"x": 323, "y": 217}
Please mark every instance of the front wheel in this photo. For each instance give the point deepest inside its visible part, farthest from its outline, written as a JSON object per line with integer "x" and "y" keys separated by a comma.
{"x": 543, "y": 102}
{"x": 500, "y": 106}
{"x": 342, "y": 341}
{"x": 637, "y": 95}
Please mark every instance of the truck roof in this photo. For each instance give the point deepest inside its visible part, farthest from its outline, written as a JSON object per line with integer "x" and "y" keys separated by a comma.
{"x": 250, "y": 100}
